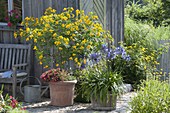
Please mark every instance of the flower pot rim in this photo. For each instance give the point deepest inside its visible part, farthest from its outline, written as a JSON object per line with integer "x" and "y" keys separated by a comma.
{"x": 71, "y": 81}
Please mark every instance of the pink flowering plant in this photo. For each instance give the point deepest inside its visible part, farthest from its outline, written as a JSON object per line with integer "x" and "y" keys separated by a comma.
{"x": 9, "y": 104}
{"x": 55, "y": 75}
{"x": 13, "y": 18}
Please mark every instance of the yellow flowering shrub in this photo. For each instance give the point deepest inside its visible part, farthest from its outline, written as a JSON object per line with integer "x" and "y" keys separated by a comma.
{"x": 72, "y": 36}
{"x": 143, "y": 63}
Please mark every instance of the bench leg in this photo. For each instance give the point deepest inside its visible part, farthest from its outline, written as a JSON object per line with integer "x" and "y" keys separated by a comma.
{"x": 14, "y": 84}
{"x": 14, "y": 90}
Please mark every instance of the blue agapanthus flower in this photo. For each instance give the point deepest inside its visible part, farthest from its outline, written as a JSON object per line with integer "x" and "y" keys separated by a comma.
{"x": 109, "y": 54}
{"x": 119, "y": 50}
{"x": 104, "y": 48}
{"x": 95, "y": 57}
{"x": 127, "y": 58}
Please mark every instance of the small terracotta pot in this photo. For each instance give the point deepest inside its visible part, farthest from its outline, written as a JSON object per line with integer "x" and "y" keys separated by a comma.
{"x": 62, "y": 93}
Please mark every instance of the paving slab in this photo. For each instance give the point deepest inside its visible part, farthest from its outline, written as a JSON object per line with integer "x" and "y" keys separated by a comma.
{"x": 44, "y": 106}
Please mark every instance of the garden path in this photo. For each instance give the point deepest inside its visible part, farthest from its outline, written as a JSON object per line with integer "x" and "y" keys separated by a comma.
{"x": 44, "y": 107}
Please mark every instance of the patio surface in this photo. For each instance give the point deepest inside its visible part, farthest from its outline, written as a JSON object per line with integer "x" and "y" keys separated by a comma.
{"x": 44, "y": 107}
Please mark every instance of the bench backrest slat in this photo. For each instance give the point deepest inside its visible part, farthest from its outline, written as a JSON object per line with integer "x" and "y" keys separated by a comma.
{"x": 10, "y": 58}
{"x": 21, "y": 57}
{"x": 6, "y": 58}
{"x": 11, "y": 54}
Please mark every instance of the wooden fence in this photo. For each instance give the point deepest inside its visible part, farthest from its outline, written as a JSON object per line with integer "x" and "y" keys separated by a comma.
{"x": 110, "y": 13}
{"x": 97, "y": 6}
{"x": 164, "y": 60}
{"x": 6, "y": 35}
{"x": 36, "y": 8}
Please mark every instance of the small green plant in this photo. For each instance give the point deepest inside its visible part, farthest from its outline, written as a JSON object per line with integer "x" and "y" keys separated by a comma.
{"x": 152, "y": 97}
{"x": 99, "y": 82}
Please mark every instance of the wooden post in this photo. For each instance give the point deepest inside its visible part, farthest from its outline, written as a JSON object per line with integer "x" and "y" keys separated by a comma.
{"x": 115, "y": 19}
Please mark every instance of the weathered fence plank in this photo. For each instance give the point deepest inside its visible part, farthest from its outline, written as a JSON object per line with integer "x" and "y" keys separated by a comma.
{"x": 116, "y": 20}
{"x": 164, "y": 60}
{"x": 110, "y": 13}
{"x": 86, "y": 5}
{"x": 97, "y": 6}
{"x": 6, "y": 35}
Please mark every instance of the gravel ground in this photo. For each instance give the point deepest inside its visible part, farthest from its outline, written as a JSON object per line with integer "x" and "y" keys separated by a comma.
{"x": 44, "y": 107}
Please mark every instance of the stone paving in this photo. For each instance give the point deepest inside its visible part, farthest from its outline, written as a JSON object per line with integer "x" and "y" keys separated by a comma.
{"x": 44, "y": 107}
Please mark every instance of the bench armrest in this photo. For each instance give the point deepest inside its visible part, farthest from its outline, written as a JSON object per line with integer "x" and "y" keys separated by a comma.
{"x": 19, "y": 65}
{"x": 14, "y": 68}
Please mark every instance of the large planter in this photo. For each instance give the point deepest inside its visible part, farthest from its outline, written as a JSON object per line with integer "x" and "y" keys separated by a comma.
{"x": 62, "y": 93}
{"x": 109, "y": 104}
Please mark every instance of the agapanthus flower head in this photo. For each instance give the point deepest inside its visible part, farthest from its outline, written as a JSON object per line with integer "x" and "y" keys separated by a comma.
{"x": 111, "y": 55}
{"x": 123, "y": 55}
{"x": 128, "y": 58}
{"x": 119, "y": 50}
{"x": 104, "y": 48}
{"x": 94, "y": 56}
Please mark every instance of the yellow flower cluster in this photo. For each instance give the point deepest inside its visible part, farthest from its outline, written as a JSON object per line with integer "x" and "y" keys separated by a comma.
{"x": 146, "y": 57}
{"x": 73, "y": 36}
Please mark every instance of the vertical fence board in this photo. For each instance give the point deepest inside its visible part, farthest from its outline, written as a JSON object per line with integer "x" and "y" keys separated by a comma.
{"x": 164, "y": 60}
{"x": 6, "y": 35}
{"x": 27, "y": 8}
{"x": 46, "y": 4}
{"x": 115, "y": 19}
{"x": 40, "y": 8}
{"x": 86, "y": 5}
{"x": 97, "y": 6}
{"x": 108, "y": 15}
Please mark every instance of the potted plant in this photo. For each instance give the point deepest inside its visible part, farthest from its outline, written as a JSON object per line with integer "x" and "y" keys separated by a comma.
{"x": 61, "y": 84}
{"x": 102, "y": 82}
{"x": 13, "y": 18}
{"x": 101, "y": 86}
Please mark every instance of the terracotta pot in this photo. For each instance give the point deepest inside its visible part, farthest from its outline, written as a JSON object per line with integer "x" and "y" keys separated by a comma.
{"x": 62, "y": 93}
{"x": 109, "y": 104}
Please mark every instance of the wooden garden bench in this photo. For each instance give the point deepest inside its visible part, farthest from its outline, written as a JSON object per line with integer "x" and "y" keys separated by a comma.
{"x": 14, "y": 60}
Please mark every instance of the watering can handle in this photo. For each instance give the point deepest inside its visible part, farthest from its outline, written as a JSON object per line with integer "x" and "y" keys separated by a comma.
{"x": 25, "y": 79}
